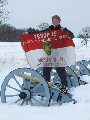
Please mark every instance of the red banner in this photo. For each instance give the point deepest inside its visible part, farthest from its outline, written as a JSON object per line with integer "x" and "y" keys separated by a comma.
{"x": 56, "y": 38}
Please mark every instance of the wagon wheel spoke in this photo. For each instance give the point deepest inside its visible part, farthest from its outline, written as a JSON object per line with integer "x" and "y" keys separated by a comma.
{"x": 26, "y": 102}
{"x": 13, "y": 88}
{"x": 12, "y": 95}
{"x": 40, "y": 103}
{"x": 35, "y": 87}
{"x": 41, "y": 94}
{"x": 17, "y": 101}
{"x": 17, "y": 82}
{"x": 23, "y": 78}
{"x": 31, "y": 102}
{"x": 22, "y": 102}
{"x": 30, "y": 81}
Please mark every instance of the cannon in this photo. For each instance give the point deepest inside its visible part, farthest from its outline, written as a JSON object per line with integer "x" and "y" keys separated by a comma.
{"x": 28, "y": 86}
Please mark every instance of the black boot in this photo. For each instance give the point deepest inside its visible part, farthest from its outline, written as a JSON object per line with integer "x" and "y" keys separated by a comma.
{"x": 64, "y": 89}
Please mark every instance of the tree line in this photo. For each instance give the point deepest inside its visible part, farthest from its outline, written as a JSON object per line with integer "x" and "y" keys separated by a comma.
{"x": 9, "y": 33}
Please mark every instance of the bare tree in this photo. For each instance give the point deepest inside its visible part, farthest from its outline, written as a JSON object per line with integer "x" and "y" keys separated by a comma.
{"x": 85, "y": 34}
{"x": 43, "y": 26}
{"x": 4, "y": 14}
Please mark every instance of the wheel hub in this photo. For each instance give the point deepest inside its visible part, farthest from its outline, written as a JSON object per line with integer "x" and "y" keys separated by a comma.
{"x": 25, "y": 94}
{"x": 22, "y": 95}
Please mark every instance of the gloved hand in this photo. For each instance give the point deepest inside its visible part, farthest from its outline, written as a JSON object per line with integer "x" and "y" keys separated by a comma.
{"x": 25, "y": 33}
{"x": 64, "y": 29}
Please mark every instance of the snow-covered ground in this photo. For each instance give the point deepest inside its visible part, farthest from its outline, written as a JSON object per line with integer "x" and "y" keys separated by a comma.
{"x": 12, "y": 57}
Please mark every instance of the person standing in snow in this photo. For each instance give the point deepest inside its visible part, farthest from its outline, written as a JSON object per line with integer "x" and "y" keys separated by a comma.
{"x": 60, "y": 70}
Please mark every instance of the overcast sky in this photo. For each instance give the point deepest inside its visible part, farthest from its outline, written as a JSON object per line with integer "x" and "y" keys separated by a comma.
{"x": 75, "y": 14}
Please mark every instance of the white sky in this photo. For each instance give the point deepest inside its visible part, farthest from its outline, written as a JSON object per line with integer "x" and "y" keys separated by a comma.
{"x": 30, "y": 13}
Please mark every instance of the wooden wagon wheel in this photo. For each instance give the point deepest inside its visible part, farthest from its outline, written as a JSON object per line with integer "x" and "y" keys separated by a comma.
{"x": 25, "y": 86}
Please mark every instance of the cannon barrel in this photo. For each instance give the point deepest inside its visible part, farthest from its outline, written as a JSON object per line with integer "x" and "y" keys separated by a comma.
{"x": 28, "y": 77}
{"x": 70, "y": 74}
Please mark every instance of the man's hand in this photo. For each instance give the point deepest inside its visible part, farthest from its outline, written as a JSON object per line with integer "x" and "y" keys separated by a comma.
{"x": 64, "y": 29}
{"x": 25, "y": 33}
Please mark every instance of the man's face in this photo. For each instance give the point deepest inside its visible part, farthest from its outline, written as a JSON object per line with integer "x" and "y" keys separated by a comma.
{"x": 55, "y": 22}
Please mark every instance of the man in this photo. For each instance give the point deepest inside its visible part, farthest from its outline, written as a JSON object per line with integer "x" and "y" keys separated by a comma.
{"x": 60, "y": 70}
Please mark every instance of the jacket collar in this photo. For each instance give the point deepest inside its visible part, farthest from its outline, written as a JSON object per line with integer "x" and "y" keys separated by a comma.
{"x": 55, "y": 28}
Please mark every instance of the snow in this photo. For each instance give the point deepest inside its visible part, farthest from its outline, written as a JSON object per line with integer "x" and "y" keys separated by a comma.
{"x": 12, "y": 57}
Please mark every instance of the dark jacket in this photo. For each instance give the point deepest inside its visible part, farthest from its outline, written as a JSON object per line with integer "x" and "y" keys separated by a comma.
{"x": 59, "y": 28}
{"x": 52, "y": 28}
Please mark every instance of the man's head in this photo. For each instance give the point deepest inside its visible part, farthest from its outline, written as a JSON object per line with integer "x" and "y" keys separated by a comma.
{"x": 56, "y": 20}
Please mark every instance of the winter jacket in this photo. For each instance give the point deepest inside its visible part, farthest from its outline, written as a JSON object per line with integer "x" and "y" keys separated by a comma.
{"x": 59, "y": 28}
{"x": 52, "y": 28}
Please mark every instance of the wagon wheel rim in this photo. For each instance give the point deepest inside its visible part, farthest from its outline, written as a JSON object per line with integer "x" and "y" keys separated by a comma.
{"x": 26, "y": 96}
